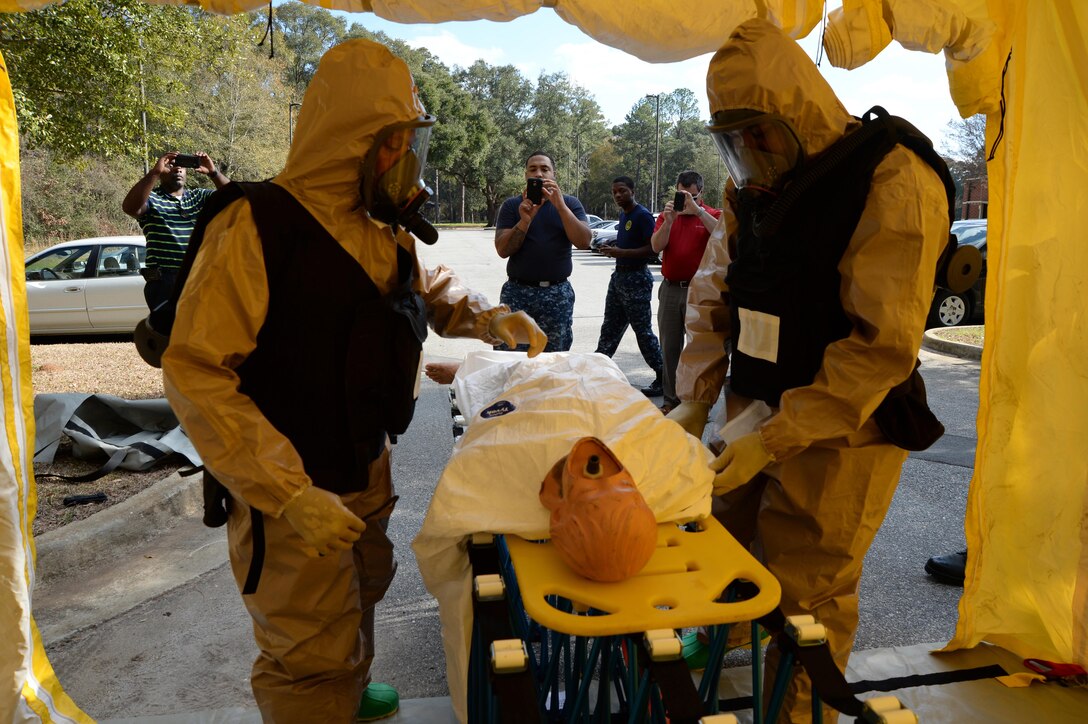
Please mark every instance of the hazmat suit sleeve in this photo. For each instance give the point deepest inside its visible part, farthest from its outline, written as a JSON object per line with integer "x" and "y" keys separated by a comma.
{"x": 454, "y": 310}
{"x": 887, "y": 288}
{"x": 220, "y": 312}
{"x": 704, "y": 361}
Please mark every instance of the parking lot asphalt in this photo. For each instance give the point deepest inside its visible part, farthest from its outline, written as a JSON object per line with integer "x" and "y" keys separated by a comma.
{"x": 141, "y": 618}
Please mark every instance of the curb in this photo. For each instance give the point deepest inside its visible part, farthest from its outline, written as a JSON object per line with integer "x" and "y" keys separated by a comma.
{"x": 85, "y": 543}
{"x": 934, "y": 343}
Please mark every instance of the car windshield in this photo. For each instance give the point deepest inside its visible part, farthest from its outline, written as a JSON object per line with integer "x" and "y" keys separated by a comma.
{"x": 975, "y": 236}
{"x": 68, "y": 262}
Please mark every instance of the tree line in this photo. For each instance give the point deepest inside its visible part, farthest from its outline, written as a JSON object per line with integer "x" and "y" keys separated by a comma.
{"x": 103, "y": 87}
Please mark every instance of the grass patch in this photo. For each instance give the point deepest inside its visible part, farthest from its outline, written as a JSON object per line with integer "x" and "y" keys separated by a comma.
{"x": 963, "y": 335}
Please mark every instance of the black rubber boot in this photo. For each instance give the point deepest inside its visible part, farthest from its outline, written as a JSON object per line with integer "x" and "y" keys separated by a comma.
{"x": 655, "y": 389}
{"x": 949, "y": 568}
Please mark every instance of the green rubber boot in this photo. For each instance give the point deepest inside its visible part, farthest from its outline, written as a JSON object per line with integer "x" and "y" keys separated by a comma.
{"x": 696, "y": 653}
{"x": 379, "y": 701}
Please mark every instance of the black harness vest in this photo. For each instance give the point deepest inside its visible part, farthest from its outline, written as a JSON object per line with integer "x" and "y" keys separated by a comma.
{"x": 784, "y": 284}
{"x": 336, "y": 364}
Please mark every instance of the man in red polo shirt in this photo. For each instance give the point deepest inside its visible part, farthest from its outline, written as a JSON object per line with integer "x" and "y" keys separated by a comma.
{"x": 680, "y": 236}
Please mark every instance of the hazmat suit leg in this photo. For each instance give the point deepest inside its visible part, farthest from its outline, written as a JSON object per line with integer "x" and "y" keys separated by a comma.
{"x": 811, "y": 520}
{"x": 313, "y": 618}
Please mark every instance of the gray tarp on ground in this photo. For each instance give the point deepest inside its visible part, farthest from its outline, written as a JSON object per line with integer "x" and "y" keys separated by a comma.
{"x": 147, "y": 430}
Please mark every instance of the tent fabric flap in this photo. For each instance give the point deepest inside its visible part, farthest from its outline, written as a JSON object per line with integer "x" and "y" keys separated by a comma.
{"x": 931, "y": 25}
{"x": 1027, "y": 511}
{"x": 29, "y": 690}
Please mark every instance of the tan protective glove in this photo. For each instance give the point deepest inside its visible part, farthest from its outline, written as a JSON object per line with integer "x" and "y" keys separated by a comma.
{"x": 323, "y": 521}
{"x": 741, "y": 460}
{"x": 516, "y": 328}
{"x": 691, "y": 416}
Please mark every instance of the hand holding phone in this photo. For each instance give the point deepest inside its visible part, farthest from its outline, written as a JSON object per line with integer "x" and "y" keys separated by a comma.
{"x": 185, "y": 160}
{"x": 534, "y": 190}
{"x": 678, "y": 201}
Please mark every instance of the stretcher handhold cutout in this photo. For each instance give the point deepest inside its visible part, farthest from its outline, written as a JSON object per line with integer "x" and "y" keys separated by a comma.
{"x": 575, "y": 607}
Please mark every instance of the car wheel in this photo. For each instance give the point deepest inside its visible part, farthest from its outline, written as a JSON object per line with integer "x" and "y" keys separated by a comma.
{"x": 949, "y": 310}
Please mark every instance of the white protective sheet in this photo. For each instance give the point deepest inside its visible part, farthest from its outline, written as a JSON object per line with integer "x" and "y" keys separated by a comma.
{"x": 492, "y": 482}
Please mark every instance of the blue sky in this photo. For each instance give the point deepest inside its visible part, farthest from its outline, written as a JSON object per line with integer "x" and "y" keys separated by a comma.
{"x": 906, "y": 83}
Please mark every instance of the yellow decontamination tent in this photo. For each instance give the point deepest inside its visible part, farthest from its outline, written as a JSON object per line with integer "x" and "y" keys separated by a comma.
{"x": 1024, "y": 63}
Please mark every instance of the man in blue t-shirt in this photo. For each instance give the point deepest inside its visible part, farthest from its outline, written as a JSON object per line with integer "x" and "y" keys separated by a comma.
{"x": 631, "y": 285}
{"x": 536, "y": 238}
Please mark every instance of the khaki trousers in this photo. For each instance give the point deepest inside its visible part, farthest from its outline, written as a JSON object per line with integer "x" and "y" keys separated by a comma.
{"x": 313, "y": 618}
{"x": 811, "y": 519}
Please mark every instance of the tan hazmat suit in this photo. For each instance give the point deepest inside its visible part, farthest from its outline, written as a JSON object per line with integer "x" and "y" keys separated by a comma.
{"x": 813, "y": 513}
{"x": 313, "y": 617}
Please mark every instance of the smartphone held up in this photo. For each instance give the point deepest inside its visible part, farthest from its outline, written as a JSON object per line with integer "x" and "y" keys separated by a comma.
{"x": 534, "y": 190}
{"x": 678, "y": 202}
{"x": 185, "y": 160}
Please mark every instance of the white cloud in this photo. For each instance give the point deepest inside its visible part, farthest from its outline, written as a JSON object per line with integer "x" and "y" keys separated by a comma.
{"x": 451, "y": 51}
{"x": 618, "y": 80}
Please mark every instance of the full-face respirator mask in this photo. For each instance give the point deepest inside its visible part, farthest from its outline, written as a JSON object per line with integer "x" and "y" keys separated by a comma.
{"x": 392, "y": 185}
{"x": 761, "y": 151}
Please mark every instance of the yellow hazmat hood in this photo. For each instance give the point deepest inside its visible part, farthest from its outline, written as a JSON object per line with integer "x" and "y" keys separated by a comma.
{"x": 763, "y": 69}
{"x": 359, "y": 88}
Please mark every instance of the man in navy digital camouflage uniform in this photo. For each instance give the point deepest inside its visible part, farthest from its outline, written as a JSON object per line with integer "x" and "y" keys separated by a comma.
{"x": 536, "y": 239}
{"x": 631, "y": 285}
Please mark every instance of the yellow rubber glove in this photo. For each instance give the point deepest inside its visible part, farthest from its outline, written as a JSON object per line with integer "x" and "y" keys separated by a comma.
{"x": 516, "y": 328}
{"x": 691, "y": 416}
{"x": 741, "y": 460}
{"x": 323, "y": 521}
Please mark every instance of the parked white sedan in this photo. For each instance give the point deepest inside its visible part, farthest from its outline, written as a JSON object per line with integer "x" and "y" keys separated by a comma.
{"x": 87, "y": 286}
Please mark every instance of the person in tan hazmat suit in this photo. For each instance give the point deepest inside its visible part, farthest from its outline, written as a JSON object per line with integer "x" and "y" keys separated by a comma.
{"x": 815, "y": 322}
{"x": 295, "y": 354}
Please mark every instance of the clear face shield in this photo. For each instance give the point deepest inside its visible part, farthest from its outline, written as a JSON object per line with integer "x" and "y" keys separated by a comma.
{"x": 760, "y": 151}
{"x": 393, "y": 189}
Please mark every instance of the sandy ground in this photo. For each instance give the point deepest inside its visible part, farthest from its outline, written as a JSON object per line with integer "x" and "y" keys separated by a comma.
{"x": 111, "y": 368}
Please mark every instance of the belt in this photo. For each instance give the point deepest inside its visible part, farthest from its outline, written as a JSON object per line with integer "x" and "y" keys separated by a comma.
{"x": 630, "y": 268}
{"x": 671, "y": 283}
{"x": 532, "y": 283}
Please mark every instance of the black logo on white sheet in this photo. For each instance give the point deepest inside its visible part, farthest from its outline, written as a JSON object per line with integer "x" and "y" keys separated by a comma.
{"x": 498, "y": 409}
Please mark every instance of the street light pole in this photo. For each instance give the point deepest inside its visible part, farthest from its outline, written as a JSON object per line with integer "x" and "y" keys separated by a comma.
{"x": 657, "y": 150}
{"x": 291, "y": 121}
{"x": 657, "y": 154}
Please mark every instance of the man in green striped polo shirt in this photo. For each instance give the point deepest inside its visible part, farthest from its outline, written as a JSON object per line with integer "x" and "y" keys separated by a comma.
{"x": 167, "y": 214}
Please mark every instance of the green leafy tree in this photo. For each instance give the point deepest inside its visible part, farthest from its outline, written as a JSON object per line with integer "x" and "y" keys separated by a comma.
{"x": 505, "y": 96}
{"x": 76, "y": 97}
{"x": 73, "y": 198}
{"x": 635, "y": 142}
{"x": 239, "y": 111}
{"x": 603, "y": 164}
{"x": 567, "y": 122}
{"x": 677, "y": 138}
{"x": 307, "y": 33}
